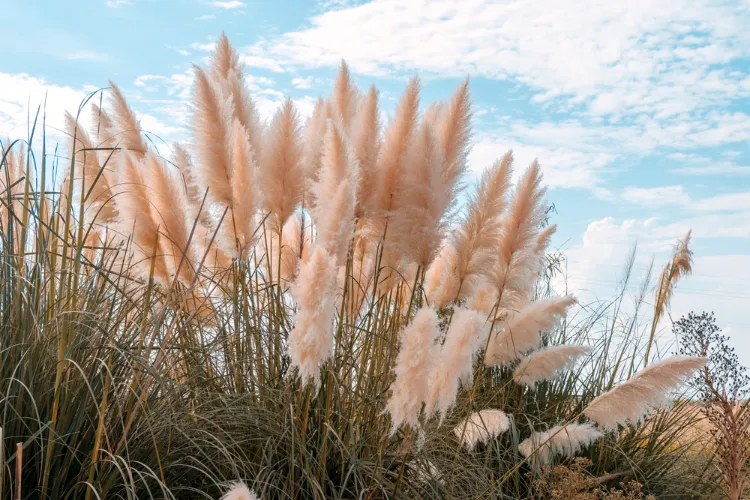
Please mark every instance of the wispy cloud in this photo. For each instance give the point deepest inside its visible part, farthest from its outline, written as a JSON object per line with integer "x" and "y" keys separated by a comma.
{"x": 116, "y": 4}
{"x": 180, "y": 51}
{"x": 693, "y": 164}
{"x": 205, "y": 17}
{"x": 302, "y": 82}
{"x": 228, "y": 4}
{"x": 656, "y": 196}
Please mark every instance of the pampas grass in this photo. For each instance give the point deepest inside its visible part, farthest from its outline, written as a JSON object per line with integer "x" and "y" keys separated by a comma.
{"x": 280, "y": 174}
{"x": 544, "y": 364}
{"x": 649, "y": 388}
{"x": 453, "y": 366}
{"x": 239, "y": 491}
{"x": 311, "y": 340}
{"x": 416, "y": 356}
{"x": 125, "y": 129}
{"x": 566, "y": 441}
{"x": 520, "y": 333}
{"x": 168, "y": 343}
{"x": 481, "y": 426}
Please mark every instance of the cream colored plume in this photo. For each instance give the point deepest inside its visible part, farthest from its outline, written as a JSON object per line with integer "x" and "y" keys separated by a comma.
{"x": 679, "y": 266}
{"x": 212, "y": 121}
{"x": 520, "y": 333}
{"x": 481, "y": 427}
{"x": 11, "y": 184}
{"x": 295, "y": 247}
{"x": 90, "y": 176}
{"x": 441, "y": 283}
{"x": 311, "y": 339}
{"x": 334, "y": 194}
{"x": 649, "y": 388}
{"x": 544, "y": 237}
{"x": 315, "y": 131}
{"x": 517, "y": 260}
{"x": 366, "y": 143}
{"x": 102, "y": 128}
{"x": 170, "y": 207}
{"x": 126, "y": 130}
{"x": 420, "y": 202}
{"x": 453, "y": 127}
{"x": 483, "y": 296}
{"x": 564, "y": 441}
{"x": 546, "y": 363}
{"x": 239, "y": 491}
{"x": 229, "y": 75}
{"x": 414, "y": 362}
{"x": 396, "y": 141}
{"x": 224, "y": 59}
{"x": 478, "y": 236}
{"x": 280, "y": 178}
{"x": 242, "y": 225}
{"x": 342, "y": 105}
{"x": 454, "y": 365}
{"x": 136, "y": 220}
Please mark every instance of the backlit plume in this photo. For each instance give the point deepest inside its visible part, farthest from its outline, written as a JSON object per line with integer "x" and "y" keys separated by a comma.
{"x": 564, "y": 441}
{"x": 481, "y": 426}
{"x": 521, "y": 333}
{"x": 649, "y": 388}
{"x": 546, "y": 363}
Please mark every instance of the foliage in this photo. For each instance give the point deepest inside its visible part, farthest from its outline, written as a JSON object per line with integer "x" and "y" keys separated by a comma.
{"x": 171, "y": 323}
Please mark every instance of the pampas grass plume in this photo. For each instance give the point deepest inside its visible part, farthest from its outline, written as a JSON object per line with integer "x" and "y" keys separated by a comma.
{"x": 481, "y": 426}
{"x": 454, "y": 365}
{"x": 559, "y": 440}
{"x": 544, "y": 364}
{"x": 280, "y": 177}
{"x": 521, "y": 333}
{"x": 126, "y": 130}
{"x": 649, "y": 388}
{"x": 239, "y": 491}
{"x": 414, "y": 363}
{"x": 311, "y": 339}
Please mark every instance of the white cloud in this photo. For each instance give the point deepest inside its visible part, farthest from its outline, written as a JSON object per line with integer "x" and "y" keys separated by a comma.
{"x": 302, "y": 83}
{"x": 692, "y": 164}
{"x": 562, "y": 166}
{"x": 724, "y": 202}
{"x": 613, "y": 58}
{"x": 177, "y": 84}
{"x": 656, "y": 196}
{"x": 21, "y": 94}
{"x": 116, "y": 4}
{"x": 180, "y": 51}
{"x": 228, "y": 4}
{"x": 205, "y": 17}
{"x": 203, "y": 47}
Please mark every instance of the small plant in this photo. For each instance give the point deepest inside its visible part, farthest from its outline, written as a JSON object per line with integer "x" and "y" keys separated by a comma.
{"x": 723, "y": 386}
{"x": 574, "y": 482}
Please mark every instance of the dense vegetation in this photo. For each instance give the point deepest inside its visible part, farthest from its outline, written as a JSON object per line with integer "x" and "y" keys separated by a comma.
{"x": 311, "y": 310}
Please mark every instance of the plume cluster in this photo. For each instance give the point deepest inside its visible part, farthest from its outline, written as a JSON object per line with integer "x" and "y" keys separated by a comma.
{"x": 649, "y": 388}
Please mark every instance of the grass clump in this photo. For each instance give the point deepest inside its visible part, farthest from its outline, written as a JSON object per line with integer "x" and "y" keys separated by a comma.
{"x": 306, "y": 309}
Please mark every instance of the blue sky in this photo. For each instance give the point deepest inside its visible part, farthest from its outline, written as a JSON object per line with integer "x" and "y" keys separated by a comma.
{"x": 637, "y": 111}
